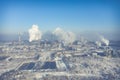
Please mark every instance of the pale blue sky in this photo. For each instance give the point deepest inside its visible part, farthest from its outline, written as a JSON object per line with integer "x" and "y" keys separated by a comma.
{"x": 74, "y": 15}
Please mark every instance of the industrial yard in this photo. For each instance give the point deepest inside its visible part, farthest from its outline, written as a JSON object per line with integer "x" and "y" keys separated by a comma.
{"x": 53, "y": 61}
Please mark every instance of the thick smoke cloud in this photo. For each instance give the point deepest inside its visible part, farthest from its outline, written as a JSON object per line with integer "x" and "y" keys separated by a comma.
{"x": 34, "y": 33}
{"x": 67, "y": 37}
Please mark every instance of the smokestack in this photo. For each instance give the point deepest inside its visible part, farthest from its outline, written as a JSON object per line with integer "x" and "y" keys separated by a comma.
{"x": 19, "y": 37}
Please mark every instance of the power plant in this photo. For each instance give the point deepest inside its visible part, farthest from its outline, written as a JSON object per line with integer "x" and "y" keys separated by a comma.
{"x": 63, "y": 58}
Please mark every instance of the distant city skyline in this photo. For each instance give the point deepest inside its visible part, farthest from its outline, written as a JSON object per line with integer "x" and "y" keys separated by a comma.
{"x": 72, "y": 15}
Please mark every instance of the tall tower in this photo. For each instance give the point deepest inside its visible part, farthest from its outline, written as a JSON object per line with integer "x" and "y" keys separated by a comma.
{"x": 19, "y": 37}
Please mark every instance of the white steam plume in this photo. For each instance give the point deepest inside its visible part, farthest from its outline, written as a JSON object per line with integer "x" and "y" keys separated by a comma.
{"x": 68, "y": 37}
{"x": 104, "y": 40}
{"x": 98, "y": 43}
{"x": 59, "y": 33}
{"x": 34, "y": 33}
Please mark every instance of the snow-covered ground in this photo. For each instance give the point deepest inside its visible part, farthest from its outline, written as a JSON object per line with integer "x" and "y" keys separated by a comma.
{"x": 76, "y": 62}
